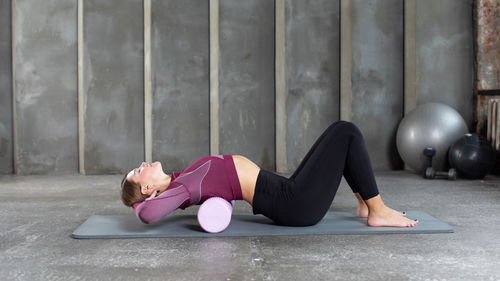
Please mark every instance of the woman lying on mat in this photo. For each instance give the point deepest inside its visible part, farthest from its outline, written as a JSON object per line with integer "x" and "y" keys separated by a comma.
{"x": 300, "y": 200}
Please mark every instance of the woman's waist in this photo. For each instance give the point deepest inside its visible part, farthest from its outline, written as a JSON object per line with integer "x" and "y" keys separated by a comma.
{"x": 274, "y": 185}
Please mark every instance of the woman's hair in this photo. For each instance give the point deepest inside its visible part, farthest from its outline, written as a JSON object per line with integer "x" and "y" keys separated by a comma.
{"x": 131, "y": 192}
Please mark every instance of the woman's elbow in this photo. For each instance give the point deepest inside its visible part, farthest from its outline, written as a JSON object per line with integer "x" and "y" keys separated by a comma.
{"x": 147, "y": 220}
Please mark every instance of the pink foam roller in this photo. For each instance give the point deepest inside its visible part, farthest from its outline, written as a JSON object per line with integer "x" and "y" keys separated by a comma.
{"x": 214, "y": 215}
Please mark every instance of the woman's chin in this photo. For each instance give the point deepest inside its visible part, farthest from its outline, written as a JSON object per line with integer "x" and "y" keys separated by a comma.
{"x": 159, "y": 165}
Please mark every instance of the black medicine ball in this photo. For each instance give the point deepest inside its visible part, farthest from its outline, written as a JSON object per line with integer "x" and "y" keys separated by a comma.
{"x": 472, "y": 156}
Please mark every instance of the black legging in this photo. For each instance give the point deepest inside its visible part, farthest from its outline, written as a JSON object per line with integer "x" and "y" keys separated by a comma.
{"x": 305, "y": 197}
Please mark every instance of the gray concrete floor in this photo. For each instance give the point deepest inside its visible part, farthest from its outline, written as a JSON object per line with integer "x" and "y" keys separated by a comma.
{"x": 38, "y": 214}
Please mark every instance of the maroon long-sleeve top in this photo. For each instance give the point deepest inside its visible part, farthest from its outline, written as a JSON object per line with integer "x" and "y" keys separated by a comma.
{"x": 209, "y": 176}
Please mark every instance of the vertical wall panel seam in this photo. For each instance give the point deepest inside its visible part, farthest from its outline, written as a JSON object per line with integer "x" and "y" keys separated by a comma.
{"x": 410, "y": 70}
{"x": 148, "y": 140}
{"x": 410, "y": 62}
{"x": 280, "y": 76}
{"x": 346, "y": 60}
{"x": 214, "y": 76}
{"x": 81, "y": 94}
{"x": 14, "y": 98}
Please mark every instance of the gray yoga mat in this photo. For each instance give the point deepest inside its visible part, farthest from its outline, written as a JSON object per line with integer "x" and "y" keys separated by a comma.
{"x": 246, "y": 225}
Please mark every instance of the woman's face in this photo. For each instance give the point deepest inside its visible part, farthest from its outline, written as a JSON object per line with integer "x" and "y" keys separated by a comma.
{"x": 146, "y": 174}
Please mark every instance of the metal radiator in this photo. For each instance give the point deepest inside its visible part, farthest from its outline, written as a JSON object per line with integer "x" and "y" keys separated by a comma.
{"x": 493, "y": 123}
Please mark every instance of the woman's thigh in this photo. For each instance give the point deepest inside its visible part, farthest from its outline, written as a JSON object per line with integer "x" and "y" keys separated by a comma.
{"x": 314, "y": 184}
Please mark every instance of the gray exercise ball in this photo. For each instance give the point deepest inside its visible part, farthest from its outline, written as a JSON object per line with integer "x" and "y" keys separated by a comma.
{"x": 434, "y": 125}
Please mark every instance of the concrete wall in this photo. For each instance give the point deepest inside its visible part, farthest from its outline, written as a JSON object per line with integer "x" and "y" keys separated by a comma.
{"x": 45, "y": 85}
{"x": 312, "y": 73}
{"x": 113, "y": 85}
{"x": 180, "y": 70}
{"x": 377, "y": 77}
{"x": 246, "y": 109}
{"x": 6, "y": 160}
{"x": 445, "y": 54}
{"x": 44, "y": 81}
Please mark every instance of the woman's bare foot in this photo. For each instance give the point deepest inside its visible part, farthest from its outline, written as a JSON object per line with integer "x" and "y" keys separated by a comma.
{"x": 362, "y": 208}
{"x": 381, "y": 215}
{"x": 363, "y": 211}
{"x": 388, "y": 217}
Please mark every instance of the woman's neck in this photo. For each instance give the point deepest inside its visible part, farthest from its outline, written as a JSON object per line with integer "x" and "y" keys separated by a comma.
{"x": 164, "y": 183}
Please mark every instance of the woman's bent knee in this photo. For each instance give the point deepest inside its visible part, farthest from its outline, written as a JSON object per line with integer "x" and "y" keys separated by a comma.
{"x": 347, "y": 126}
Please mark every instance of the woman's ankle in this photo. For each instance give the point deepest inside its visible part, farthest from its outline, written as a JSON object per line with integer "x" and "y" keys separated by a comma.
{"x": 375, "y": 204}
{"x": 360, "y": 199}
{"x": 362, "y": 210}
